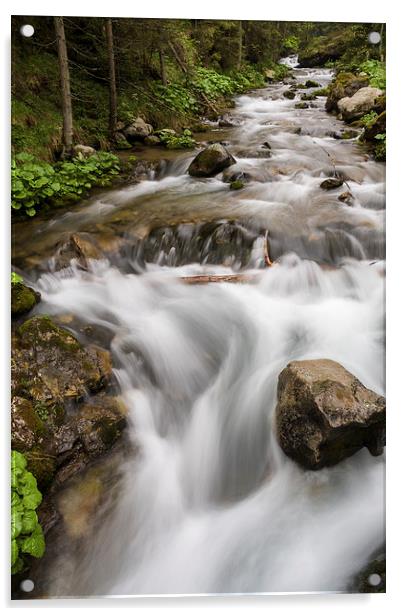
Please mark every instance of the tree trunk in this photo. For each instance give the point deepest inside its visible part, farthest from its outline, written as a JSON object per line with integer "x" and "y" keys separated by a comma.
{"x": 67, "y": 138}
{"x": 162, "y": 67}
{"x": 240, "y": 46}
{"x": 112, "y": 81}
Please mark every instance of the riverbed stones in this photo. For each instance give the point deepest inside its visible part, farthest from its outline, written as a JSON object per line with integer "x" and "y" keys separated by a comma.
{"x": 212, "y": 160}
{"x": 354, "y": 107}
{"x": 331, "y": 183}
{"x": 324, "y": 414}
{"x": 23, "y": 299}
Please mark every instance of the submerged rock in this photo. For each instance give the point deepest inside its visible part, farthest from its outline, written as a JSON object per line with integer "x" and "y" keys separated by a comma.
{"x": 228, "y": 121}
{"x": 356, "y": 106}
{"x": 331, "y": 183}
{"x": 23, "y": 298}
{"x": 212, "y": 160}
{"x": 324, "y": 414}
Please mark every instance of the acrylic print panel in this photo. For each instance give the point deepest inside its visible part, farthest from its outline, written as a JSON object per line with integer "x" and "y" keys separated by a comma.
{"x": 197, "y": 307}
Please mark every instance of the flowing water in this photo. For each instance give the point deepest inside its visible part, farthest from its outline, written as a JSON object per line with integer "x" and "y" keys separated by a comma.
{"x": 206, "y": 502}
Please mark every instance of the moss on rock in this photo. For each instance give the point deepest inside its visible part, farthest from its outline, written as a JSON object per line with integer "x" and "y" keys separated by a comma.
{"x": 23, "y": 299}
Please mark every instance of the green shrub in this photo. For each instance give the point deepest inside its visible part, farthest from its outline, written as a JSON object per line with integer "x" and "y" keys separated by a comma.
{"x": 291, "y": 44}
{"x": 376, "y": 73}
{"x": 176, "y": 142}
{"x": 281, "y": 71}
{"x": 26, "y": 532}
{"x": 176, "y": 97}
{"x": 369, "y": 119}
{"x": 35, "y": 183}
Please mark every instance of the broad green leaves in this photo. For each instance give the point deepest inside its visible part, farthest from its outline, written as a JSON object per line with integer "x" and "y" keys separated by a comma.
{"x": 35, "y": 183}
{"x": 26, "y": 532}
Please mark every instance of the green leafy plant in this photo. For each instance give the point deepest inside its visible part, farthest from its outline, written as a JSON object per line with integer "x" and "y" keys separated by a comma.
{"x": 35, "y": 183}
{"x": 376, "y": 73}
{"x": 380, "y": 149}
{"x": 369, "y": 119}
{"x": 26, "y": 532}
{"x": 174, "y": 141}
{"x": 16, "y": 278}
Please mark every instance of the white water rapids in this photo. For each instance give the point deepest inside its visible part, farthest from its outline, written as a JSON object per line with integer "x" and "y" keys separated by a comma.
{"x": 207, "y": 501}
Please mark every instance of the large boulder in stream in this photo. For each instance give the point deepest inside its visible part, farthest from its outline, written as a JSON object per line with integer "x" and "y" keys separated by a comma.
{"x": 214, "y": 159}
{"x": 356, "y": 106}
{"x": 324, "y": 414}
{"x": 345, "y": 84}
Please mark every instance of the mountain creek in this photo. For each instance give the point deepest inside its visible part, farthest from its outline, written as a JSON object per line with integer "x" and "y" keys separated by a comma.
{"x": 197, "y": 496}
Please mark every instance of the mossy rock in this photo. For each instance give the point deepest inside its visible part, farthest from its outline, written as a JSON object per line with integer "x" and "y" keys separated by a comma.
{"x": 214, "y": 159}
{"x": 345, "y": 85}
{"x": 50, "y": 366}
{"x": 308, "y": 97}
{"x": 23, "y": 299}
{"x": 290, "y": 94}
{"x": 236, "y": 185}
{"x": 372, "y": 578}
{"x": 42, "y": 464}
{"x": 310, "y": 83}
{"x": 99, "y": 424}
{"x": 301, "y": 105}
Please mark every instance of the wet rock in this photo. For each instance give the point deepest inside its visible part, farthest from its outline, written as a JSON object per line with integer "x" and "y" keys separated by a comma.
{"x": 354, "y": 107}
{"x": 308, "y": 97}
{"x": 77, "y": 246}
{"x": 378, "y": 127}
{"x": 99, "y": 424}
{"x": 26, "y": 427}
{"x": 50, "y": 366}
{"x": 331, "y": 183}
{"x": 137, "y": 130}
{"x": 228, "y": 121}
{"x": 301, "y": 105}
{"x": 266, "y": 145}
{"x": 345, "y": 84}
{"x": 310, "y": 83}
{"x": 346, "y": 197}
{"x": 23, "y": 299}
{"x": 289, "y": 94}
{"x": 269, "y": 74}
{"x": 232, "y": 175}
{"x": 212, "y": 160}
{"x": 324, "y": 414}
{"x": 85, "y": 150}
{"x": 236, "y": 185}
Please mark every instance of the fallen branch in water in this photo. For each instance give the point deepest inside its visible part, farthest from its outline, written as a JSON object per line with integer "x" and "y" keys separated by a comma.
{"x": 267, "y": 260}
{"x": 207, "y": 278}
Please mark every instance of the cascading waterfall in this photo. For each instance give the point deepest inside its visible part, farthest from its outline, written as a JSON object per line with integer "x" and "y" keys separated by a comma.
{"x": 206, "y": 501}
